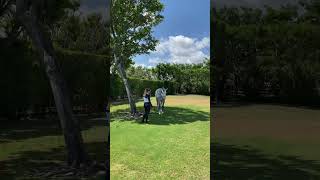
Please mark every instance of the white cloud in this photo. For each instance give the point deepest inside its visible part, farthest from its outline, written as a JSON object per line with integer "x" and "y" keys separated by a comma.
{"x": 137, "y": 65}
{"x": 156, "y": 60}
{"x": 180, "y": 49}
{"x": 142, "y": 65}
{"x": 204, "y": 43}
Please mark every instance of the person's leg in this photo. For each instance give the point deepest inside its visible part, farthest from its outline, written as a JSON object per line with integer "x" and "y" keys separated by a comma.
{"x": 144, "y": 115}
{"x": 147, "y": 112}
{"x": 147, "y": 116}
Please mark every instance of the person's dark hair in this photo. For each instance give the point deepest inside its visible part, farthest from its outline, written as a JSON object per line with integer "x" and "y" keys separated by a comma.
{"x": 146, "y": 91}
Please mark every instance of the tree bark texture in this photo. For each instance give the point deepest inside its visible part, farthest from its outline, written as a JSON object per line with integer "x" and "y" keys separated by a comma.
{"x": 70, "y": 125}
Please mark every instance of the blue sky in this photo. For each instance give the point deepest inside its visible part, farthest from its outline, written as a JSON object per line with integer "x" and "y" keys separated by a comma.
{"x": 183, "y": 34}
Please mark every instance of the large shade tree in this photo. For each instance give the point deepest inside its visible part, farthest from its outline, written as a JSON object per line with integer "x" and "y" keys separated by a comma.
{"x": 36, "y": 17}
{"x": 131, "y": 34}
{"x": 89, "y": 34}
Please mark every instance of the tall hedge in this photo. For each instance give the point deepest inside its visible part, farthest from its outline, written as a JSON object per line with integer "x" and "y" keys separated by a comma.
{"x": 138, "y": 86}
{"x": 24, "y": 84}
{"x": 86, "y": 75}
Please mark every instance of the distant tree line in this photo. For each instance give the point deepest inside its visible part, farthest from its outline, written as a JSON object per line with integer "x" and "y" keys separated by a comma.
{"x": 267, "y": 54}
{"x": 178, "y": 78}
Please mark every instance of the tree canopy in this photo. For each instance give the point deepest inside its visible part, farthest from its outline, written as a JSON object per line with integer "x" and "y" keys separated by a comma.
{"x": 269, "y": 52}
{"x": 132, "y": 24}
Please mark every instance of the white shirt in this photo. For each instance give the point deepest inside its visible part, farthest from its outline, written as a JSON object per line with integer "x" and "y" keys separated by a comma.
{"x": 145, "y": 99}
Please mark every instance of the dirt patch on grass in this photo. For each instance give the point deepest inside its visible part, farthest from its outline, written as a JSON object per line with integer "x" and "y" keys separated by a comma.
{"x": 195, "y": 100}
{"x": 278, "y": 122}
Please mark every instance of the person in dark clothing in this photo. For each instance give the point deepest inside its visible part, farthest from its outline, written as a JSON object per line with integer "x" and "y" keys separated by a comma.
{"x": 147, "y": 104}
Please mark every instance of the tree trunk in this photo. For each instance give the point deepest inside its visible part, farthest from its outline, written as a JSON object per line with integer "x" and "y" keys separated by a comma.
{"x": 70, "y": 125}
{"x": 108, "y": 145}
{"x": 122, "y": 73}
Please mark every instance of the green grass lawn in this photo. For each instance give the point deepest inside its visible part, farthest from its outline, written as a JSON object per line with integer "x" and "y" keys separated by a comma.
{"x": 258, "y": 141}
{"x": 29, "y": 147}
{"x": 174, "y": 145}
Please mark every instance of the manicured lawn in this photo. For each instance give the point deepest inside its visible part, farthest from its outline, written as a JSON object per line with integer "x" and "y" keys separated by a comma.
{"x": 265, "y": 141}
{"x": 174, "y": 145}
{"x": 33, "y": 147}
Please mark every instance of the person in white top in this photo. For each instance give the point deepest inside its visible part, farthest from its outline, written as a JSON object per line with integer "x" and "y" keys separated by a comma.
{"x": 147, "y": 104}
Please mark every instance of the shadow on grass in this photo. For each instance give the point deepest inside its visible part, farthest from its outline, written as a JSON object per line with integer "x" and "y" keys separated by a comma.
{"x": 124, "y": 101}
{"x": 24, "y": 129}
{"x": 171, "y": 115}
{"x": 33, "y": 164}
{"x": 232, "y": 162}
